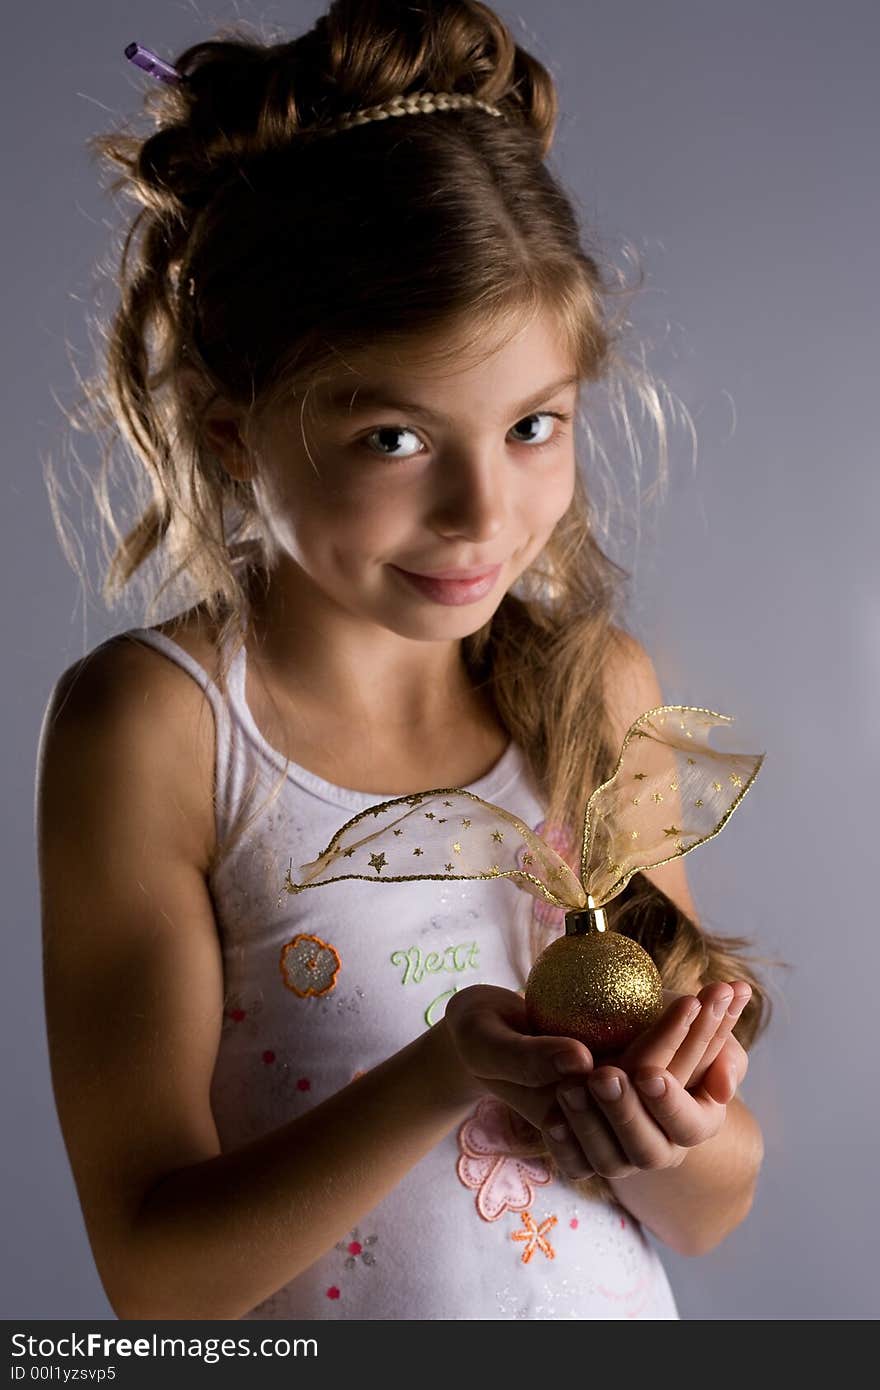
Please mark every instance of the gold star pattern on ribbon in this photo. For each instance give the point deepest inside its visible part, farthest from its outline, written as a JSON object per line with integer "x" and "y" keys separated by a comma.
{"x": 666, "y": 745}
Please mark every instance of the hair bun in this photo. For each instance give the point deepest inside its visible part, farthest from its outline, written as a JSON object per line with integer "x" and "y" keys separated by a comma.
{"x": 377, "y": 49}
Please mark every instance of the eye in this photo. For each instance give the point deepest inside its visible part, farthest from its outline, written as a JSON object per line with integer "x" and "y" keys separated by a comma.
{"x": 548, "y": 438}
{"x": 390, "y": 433}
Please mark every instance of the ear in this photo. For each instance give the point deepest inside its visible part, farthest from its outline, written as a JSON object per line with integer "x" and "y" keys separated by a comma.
{"x": 223, "y": 436}
{"x": 222, "y": 425}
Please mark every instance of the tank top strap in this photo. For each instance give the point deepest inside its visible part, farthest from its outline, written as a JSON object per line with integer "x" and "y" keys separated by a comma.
{"x": 228, "y": 770}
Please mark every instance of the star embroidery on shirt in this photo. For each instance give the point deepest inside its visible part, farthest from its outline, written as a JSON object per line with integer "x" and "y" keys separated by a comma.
{"x": 378, "y": 862}
{"x": 672, "y": 830}
{"x": 535, "y": 1237}
{"x": 347, "y": 853}
{"x": 497, "y": 835}
{"x": 639, "y": 776}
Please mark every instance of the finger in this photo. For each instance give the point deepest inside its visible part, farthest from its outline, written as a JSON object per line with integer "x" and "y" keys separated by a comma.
{"x": 494, "y": 1049}
{"x": 637, "y": 1133}
{"x": 565, "y": 1150}
{"x": 732, "y": 1055}
{"x": 685, "y": 1119}
{"x": 657, "y": 1046}
{"x": 537, "y": 1104}
{"x": 723, "y": 1036}
{"x": 593, "y": 1134}
{"x": 721, "y": 1081}
{"x": 715, "y": 999}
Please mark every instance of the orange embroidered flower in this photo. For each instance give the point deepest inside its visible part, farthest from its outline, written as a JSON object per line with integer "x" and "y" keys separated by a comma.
{"x": 535, "y": 1236}
{"x": 309, "y": 966}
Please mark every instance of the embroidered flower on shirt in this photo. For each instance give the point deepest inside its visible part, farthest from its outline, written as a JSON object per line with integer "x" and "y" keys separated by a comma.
{"x": 309, "y": 966}
{"x": 355, "y": 1249}
{"x": 500, "y": 1159}
{"x": 535, "y": 1236}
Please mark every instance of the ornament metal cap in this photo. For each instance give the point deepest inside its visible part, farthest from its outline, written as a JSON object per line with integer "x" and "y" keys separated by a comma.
{"x": 582, "y": 920}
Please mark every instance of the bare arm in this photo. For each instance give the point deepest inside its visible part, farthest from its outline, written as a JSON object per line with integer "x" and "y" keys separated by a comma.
{"x": 693, "y": 1207}
{"x": 215, "y": 1238}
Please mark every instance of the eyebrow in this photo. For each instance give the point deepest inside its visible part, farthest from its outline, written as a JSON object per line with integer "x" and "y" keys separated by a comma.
{"x": 358, "y": 399}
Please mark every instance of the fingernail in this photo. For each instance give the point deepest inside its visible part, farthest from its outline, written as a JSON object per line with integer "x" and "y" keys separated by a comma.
{"x": 693, "y": 1011}
{"x": 737, "y": 1004}
{"x": 567, "y": 1065}
{"x": 651, "y": 1085}
{"x": 606, "y": 1087}
{"x": 558, "y": 1132}
{"x": 575, "y": 1098}
{"x": 720, "y": 1005}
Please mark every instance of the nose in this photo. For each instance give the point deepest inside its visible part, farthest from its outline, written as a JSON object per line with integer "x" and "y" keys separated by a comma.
{"x": 472, "y": 494}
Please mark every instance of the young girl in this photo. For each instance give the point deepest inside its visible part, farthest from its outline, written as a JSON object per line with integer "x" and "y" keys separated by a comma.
{"x": 355, "y": 318}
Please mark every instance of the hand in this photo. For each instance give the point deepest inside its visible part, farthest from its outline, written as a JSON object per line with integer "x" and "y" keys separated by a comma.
{"x": 691, "y": 1052}
{"x": 496, "y": 1052}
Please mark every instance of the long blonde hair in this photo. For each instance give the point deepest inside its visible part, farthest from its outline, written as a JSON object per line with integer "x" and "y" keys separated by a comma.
{"x": 262, "y": 255}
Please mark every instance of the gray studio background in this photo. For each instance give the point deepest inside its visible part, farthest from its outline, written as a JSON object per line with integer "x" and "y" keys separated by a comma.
{"x": 736, "y": 146}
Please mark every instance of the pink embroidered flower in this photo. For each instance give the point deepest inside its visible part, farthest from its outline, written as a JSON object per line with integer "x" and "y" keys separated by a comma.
{"x": 500, "y": 1159}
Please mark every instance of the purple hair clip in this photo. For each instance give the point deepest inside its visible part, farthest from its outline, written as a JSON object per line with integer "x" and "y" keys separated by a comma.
{"x": 151, "y": 62}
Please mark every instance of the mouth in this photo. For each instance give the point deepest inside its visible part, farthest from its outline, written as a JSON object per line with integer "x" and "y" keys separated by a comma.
{"x": 453, "y": 591}
{"x": 461, "y": 575}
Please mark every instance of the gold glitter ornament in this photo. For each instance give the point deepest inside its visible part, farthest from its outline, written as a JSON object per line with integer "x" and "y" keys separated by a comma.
{"x": 595, "y": 985}
{"x": 685, "y": 793}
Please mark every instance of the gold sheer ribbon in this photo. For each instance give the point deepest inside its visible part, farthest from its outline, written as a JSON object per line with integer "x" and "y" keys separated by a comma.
{"x": 669, "y": 793}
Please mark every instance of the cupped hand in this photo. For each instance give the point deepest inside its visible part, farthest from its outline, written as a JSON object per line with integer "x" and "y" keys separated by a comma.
{"x": 666, "y": 1093}
{"x": 498, "y": 1053}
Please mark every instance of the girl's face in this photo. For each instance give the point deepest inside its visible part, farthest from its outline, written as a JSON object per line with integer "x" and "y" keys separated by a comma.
{"x": 407, "y": 469}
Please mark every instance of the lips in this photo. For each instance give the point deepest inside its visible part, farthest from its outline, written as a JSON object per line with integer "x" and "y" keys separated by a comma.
{"x": 455, "y": 574}
{"x": 452, "y": 591}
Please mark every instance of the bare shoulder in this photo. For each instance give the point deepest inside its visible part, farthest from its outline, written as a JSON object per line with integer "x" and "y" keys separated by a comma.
{"x": 630, "y": 679}
{"x": 632, "y": 687}
{"x": 126, "y": 699}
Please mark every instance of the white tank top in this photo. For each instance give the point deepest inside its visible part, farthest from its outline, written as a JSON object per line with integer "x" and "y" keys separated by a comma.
{"x": 322, "y": 985}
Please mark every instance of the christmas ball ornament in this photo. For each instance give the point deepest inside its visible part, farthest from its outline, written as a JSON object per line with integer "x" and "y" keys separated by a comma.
{"x": 594, "y": 985}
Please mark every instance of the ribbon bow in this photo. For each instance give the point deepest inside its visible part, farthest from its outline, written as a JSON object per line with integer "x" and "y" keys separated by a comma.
{"x": 669, "y": 793}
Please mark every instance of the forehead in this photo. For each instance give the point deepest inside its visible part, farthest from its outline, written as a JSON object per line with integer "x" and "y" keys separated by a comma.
{"x": 445, "y": 370}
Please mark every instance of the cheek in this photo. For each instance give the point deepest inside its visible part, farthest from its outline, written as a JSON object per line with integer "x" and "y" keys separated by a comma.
{"x": 544, "y": 502}
{"x": 316, "y": 517}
